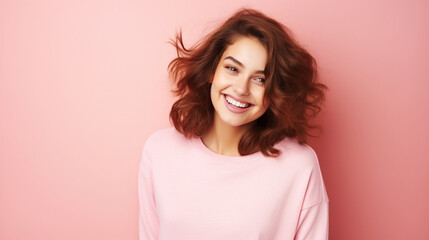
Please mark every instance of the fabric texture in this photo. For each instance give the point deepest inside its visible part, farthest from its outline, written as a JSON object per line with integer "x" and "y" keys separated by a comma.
{"x": 188, "y": 192}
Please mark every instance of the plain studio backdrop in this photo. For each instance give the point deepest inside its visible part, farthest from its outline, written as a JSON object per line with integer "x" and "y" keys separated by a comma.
{"x": 83, "y": 84}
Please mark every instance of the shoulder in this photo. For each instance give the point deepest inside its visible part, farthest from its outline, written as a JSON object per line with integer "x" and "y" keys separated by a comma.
{"x": 303, "y": 159}
{"x": 163, "y": 134}
{"x": 300, "y": 154}
{"x": 164, "y": 138}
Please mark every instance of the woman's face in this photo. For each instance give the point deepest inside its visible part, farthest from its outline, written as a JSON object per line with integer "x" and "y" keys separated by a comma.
{"x": 238, "y": 85}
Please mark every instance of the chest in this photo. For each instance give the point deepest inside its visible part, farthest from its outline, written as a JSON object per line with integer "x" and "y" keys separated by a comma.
{"x": 221, "y": 200}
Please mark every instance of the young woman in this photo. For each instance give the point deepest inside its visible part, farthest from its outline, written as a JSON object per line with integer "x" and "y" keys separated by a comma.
{"x": 235, "y": 166}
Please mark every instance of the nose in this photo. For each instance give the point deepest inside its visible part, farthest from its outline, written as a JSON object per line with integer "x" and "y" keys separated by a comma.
{"x": 241, "y": 86}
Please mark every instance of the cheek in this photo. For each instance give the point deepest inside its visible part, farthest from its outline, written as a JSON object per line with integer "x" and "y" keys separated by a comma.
{"x": 219, "y": 83}
{"x": 265, "y": 102}
{"x": 212, "y": 91}
{"x": 261, "y": 97}
{"x": 214, "y": 95}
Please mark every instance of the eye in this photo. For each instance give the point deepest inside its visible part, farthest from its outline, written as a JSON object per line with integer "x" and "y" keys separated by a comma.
{"x": 232, "y": 68}
{"x": 260, "y": 80}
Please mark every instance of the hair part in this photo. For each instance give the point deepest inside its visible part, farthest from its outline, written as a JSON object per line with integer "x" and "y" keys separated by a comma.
{"x": 292, "y": 88}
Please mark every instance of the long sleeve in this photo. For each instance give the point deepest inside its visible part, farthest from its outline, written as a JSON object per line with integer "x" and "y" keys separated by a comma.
{"x": 313, "y": 223}
{"x": 188, "y": 192}
{"x": 148, "y": 218}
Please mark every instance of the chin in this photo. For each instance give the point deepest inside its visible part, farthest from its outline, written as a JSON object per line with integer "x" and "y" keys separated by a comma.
{"x": 236, "y": 123}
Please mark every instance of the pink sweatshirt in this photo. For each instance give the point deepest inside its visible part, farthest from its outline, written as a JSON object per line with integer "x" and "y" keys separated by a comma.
{"x": 188, "y": 192}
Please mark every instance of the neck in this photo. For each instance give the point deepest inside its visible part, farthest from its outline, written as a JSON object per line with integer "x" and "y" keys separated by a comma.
{"x": 223, "y": 138}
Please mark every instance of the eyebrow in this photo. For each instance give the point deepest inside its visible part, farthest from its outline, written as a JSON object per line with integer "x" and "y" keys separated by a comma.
{"x": 240, "y": 64}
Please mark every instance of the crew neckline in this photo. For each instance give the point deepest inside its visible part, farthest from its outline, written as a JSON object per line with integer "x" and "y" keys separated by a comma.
{"x": 251, "y": 157}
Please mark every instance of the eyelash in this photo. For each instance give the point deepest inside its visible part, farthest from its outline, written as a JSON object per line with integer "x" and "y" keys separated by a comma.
{"x": 261, "y": 81}
{"x": 231, "y": 68}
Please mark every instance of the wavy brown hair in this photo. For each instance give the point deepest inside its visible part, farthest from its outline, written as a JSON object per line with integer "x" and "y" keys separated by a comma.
{"x": 292, "y": 86}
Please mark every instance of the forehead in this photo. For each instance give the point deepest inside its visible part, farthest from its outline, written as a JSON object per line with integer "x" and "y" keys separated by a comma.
{"x": 249, "y": 51}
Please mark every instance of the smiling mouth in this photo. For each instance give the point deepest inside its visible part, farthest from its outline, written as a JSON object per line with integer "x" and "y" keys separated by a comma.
{"x": 236, "y": 103}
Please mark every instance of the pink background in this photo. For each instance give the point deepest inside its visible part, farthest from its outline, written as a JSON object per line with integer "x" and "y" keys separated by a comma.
{"x": 83, "y": 84}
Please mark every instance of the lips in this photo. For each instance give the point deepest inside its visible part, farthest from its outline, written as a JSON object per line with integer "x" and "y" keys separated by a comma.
{"x": 235, "y": 105}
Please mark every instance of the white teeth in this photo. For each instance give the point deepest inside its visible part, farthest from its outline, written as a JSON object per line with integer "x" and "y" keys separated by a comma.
{"x": 236, "y": 103}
